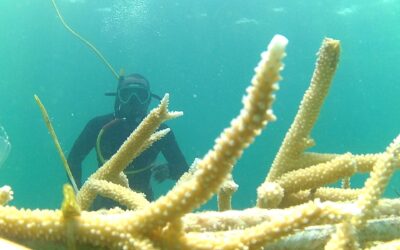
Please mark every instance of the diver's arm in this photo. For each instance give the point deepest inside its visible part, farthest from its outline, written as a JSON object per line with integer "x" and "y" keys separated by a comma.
{"x": 177, "y": 164}
{"x": 81, "y": 148}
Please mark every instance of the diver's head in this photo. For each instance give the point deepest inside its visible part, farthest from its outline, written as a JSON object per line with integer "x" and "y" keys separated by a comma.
{"x": 133, "y": 97}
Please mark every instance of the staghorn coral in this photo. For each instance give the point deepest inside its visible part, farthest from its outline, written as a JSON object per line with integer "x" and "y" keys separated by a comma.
{"x": 6, "y": 194}
{"x": 301, "y": 213}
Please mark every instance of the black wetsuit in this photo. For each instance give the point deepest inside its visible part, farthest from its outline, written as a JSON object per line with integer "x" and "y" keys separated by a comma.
{"x": 112, "y": 138}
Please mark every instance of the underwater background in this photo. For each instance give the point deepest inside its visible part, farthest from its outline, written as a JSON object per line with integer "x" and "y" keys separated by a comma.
{"x": 203, "y": 53}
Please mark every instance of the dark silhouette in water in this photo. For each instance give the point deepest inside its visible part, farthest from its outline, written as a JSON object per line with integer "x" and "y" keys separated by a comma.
{"x": 106, "y": 134}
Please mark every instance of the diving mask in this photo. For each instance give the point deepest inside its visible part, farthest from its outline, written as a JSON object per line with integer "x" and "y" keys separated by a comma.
{"x": 137, "y": 91}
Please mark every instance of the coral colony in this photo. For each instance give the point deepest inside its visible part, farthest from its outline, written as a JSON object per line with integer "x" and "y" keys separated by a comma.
{"x": 295, "y": 209}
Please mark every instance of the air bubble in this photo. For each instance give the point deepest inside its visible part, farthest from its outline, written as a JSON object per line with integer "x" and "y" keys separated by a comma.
{"x": 5, "y": 145}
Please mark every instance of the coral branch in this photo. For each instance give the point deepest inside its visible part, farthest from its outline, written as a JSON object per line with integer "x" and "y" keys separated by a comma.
{"x": 131, "y": 148}
{"x": 214, "y": 167}
{"x": 302, "y": 212}
{"x": 297, "y": 139}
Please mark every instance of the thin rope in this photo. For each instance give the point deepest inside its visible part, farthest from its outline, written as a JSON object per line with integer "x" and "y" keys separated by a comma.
{"x": 85, "y": 41}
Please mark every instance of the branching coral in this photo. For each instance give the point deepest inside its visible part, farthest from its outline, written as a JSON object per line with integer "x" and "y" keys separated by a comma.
{"x": 294, "y": 209}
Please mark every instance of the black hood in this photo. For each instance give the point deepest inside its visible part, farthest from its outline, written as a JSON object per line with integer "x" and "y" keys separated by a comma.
{"x": 125, "y": 81}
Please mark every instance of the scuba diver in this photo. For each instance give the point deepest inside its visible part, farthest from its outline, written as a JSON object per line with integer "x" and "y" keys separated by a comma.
{"x": 106, "y": 134}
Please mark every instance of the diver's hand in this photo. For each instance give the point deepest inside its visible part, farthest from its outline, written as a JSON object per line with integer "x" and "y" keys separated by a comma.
{"x": 160, "y": 172}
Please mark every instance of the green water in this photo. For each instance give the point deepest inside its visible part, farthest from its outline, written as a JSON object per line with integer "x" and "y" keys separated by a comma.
{"x": 203, "y": 54}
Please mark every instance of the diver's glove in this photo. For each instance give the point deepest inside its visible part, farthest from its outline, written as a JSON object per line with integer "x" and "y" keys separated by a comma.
{"x": 160, "y": 172}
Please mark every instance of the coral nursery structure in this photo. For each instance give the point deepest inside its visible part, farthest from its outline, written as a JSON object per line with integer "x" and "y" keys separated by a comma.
{"x": 294, "y": 208}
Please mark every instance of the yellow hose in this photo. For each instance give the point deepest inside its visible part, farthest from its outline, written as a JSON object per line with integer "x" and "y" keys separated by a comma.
{"x": 85, "y": 41}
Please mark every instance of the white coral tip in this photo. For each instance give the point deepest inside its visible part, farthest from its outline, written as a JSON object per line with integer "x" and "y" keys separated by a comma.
{"x": 278, "y": 42}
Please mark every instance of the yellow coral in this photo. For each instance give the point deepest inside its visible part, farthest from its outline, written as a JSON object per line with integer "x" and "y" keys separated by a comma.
{"x": 297, "y": 139}
{"x": 136, "y": 143}
{"x": 214, "y": 167}
{"x": 6, "y": 194}
{"x": 225, "y": 194}
{"x": 296, "y": 178}
{"x": 376, "y": 184}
